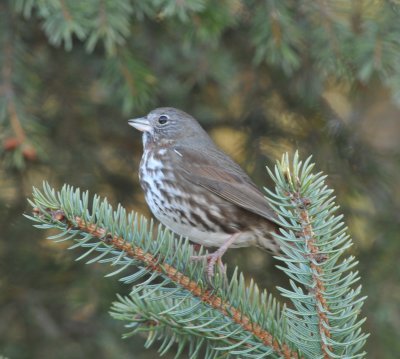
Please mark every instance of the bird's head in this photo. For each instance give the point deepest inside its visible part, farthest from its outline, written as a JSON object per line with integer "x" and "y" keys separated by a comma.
{"x": 168, "y": 125}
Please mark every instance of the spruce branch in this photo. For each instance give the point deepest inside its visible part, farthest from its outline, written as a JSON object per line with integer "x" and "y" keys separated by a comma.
{"x": 129, "y": 80}
{"x": 173, "y": 300}
{"x": 110, "y": 23}
{"x": 230, "y": 316}
{"x": 62, "y": 21}
{"x": 314, "y": 239}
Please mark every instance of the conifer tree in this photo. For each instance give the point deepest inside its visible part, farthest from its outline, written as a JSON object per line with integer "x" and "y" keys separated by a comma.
{"x": 321, "y": 76}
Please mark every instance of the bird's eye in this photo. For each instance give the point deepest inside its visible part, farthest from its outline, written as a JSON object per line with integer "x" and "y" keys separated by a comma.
{"x": 163, "y": 119}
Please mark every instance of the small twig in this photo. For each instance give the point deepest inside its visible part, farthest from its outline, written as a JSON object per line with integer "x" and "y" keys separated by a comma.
{"x": 378, "y": 53}
{"x": 8, "y": 89}
{"x": 65, "y": 11}
{"x": 276, "y": 27}
{"x": 307, "y": 232}
{"x": 102, "y": 15}
{"x": 130, "y": 81}
{"x": 15, "y": 121}
{"x": 327, "y": 23}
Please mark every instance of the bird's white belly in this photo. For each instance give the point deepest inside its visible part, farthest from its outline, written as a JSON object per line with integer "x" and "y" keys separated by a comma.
{"x": 205, "y": 238}
{"x": 169, "y": 211}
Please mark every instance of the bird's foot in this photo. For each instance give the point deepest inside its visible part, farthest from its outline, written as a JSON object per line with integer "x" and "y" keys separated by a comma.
{"x": 216, "y": 257}
{"x": 212, "y": 259}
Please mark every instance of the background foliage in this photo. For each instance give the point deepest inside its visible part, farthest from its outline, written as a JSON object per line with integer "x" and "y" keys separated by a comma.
{"x": 263, "y": 77}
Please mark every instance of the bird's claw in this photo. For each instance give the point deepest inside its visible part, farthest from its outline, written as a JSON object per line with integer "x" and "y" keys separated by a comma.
{"x": 212, "y": 260}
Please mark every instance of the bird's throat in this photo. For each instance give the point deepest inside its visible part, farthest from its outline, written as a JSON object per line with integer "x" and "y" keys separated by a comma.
{"x": 147, "y": 139}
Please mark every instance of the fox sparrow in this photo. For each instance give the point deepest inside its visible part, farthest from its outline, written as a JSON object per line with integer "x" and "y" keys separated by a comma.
{"x": 196, "y": 190}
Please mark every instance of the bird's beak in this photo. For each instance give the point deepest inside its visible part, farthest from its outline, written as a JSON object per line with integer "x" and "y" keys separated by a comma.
{"x": 141, "y": 124}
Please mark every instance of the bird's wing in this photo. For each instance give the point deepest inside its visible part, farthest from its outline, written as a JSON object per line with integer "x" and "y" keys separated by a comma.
{"x": 217, "y": 173}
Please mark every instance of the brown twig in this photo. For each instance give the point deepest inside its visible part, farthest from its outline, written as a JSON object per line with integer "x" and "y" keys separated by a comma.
{"x": 327, "y": 23}
{"x": 102, "y": 15}
{"x": 154, "y": 264}
{"x": 66, "y": 13}
{"x": 378, "y": 53}
{"x": 15, "y": 121}
{"x": 276, "y": 27}
{"x": 130, "y": 81}
{"x": 7, "y": 89}
{"x": 319, "y": 289}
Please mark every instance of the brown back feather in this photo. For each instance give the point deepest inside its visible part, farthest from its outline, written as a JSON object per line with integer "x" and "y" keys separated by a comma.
{"x": 214, "y": 170}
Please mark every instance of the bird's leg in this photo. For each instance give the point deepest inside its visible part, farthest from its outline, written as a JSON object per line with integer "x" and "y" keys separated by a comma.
{"x": 216, "y": 256}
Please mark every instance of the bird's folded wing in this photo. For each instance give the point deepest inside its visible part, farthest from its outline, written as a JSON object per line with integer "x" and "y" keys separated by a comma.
{"x": 220, "y": 175}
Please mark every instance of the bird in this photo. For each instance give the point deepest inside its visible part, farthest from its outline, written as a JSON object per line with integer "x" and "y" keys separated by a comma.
{"x": 197, "y": 191}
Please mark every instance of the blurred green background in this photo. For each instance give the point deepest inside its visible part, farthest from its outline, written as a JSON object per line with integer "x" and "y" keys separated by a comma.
{"x": 263, "y": 77}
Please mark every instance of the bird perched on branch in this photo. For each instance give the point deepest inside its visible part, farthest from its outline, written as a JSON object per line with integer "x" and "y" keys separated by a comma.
{"x": 198, "y": 191}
